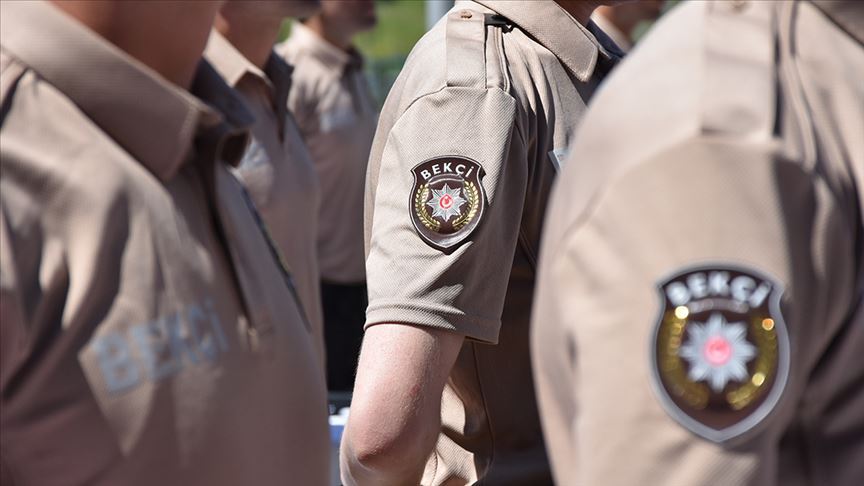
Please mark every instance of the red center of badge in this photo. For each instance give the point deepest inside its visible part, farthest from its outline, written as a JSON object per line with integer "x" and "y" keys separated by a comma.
{"x": 720, "y": 349}
{"x": 717, "y": 351}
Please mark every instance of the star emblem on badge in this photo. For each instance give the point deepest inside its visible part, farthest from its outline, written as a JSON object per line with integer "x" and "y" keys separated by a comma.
{"x": 446, "y": 202}
{"x": 717, "y": 352}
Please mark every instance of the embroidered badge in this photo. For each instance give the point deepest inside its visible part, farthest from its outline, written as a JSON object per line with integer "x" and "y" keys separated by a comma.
{"x": 720, "y": 351}
{"x": 447, "y": 200}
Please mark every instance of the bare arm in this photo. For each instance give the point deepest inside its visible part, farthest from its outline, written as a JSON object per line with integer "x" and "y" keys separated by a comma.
{"x": 396, "y": 410}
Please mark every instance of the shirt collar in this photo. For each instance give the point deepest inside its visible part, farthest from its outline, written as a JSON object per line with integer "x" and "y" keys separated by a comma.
{"x": 555, "y": 29}
{"x": 229, "y": 62}
{"x": 280, "y": 73}
{"x": 304, "y": 39}
{"x": 152, "y": 119}
{"x": 224, "y": 137}
{"x": 233, "y": 66}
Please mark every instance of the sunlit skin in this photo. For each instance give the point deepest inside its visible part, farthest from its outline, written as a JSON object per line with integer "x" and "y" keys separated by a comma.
{"x": 253, "y": 27}
{"x": 627, "y": 15}
{"x": 581, "y": 10}
{"x": 339, "y": 21}
{"x": 168, "y": 36}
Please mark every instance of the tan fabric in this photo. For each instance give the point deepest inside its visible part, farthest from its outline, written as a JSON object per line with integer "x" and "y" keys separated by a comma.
{"x": 740, "y": 147}
{"x": 331, "y": 101}
{"x": 276, "y": 169}
{"x": 459, "y": 95}
{"x": 138, "y": 348}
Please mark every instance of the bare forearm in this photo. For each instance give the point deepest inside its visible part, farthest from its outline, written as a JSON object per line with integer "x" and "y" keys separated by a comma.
{"x": 396, "y": 467}
{"x": 395, "y": 414}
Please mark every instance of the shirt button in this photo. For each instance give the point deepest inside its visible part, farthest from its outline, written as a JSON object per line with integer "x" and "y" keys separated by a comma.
{"x": 465, "y": 14}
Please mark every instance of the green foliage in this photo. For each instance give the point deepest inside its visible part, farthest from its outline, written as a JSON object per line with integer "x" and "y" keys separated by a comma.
{"x": 400, "y": 24}
{"x": 285, "y": 30}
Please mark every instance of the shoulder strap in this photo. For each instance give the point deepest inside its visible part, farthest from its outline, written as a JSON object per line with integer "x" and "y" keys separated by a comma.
{"x": 740, "y": 73}
{"x": 466, "y": 49}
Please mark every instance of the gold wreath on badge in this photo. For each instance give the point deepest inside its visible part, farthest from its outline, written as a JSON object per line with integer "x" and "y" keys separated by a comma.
{"x": 720, "y": 349}
{"x": 447, "y": 200}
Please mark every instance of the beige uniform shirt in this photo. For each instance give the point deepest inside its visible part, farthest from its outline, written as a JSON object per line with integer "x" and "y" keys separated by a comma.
{"x": 276, "y": 169}
{"x": 148, "y": 337}
{"x": 334, "y": 109}
{"x": 467, "y": 149}
{"x": 698, "y": 317}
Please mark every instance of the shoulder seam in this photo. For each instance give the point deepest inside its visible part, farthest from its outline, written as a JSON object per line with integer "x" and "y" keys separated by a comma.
{"x": 443, "y": 88}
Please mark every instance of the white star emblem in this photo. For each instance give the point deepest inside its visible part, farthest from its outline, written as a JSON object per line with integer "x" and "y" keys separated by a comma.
{"x": 446, "y": 202}
{"x": 717, "y": 352}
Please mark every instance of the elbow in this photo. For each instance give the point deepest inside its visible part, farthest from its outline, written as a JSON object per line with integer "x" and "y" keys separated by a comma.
{"x": 374, "y": 456}
{"x": 373, "y": 450}
{"x": 382, "y": 451}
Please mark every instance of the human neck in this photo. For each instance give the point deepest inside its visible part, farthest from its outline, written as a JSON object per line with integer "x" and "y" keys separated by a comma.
{"x": 580, "y": 9}
{"x": 253, "y": 36}
{"x": 624, "y": 23}
{"x": 174, "y": 50}
{"x": 338, "y": 37}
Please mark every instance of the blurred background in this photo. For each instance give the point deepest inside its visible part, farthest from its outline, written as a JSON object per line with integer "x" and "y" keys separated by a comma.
{"x": 402, "y": 22}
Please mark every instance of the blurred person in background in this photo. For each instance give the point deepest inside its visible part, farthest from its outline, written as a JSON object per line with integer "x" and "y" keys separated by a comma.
{"x": 146, "y": 332}
{"x": 276, "y": 169}
{"x": 333, "y": 107}
{"x": 469, "y": 143}
{"x": 699, "y": 313}
{"x": 620, "y": 21}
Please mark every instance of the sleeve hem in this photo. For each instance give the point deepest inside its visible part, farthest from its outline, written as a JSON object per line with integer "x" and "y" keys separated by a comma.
{"x": 482, "y": 329}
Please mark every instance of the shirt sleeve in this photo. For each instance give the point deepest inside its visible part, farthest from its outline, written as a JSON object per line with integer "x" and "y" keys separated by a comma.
{"x": 673, "y": 323}
{"x": 446, "y": 213}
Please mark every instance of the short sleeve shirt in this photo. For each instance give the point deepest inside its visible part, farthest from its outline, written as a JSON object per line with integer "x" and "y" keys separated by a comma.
{"x": 276, "y": 169}
{"x": 148, "y": 336}
{"x": 337, "y": 115}
{"x": 699, "y": 300}
{"x": 469, "y": 143}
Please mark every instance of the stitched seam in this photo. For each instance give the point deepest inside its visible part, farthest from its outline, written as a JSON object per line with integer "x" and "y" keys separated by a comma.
{"x": 480, "y": 482}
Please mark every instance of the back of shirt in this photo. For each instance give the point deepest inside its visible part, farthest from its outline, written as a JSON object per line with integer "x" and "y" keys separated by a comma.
{"x": 699, "y": 305}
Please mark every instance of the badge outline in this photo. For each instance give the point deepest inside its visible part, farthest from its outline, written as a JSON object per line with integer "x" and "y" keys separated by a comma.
{"x": 754, "y": 419}
{"x": 415, "y": 191}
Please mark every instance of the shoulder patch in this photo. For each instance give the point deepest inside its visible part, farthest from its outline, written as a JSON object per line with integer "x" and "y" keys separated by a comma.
{"x": 447, "y": 201}
{"x": 720, "y": 350}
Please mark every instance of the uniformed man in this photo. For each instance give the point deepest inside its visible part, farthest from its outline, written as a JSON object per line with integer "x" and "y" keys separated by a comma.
{"x": 469, "y": 143}
{"x": 336, "y": 113}
{"x": 276, "y": 168}
{"x": 699, "y": 313}
{"x": 147, "y": 332}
